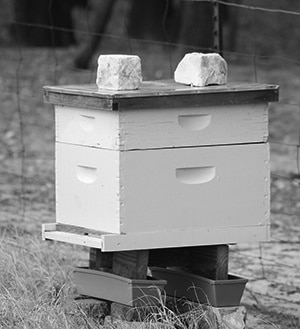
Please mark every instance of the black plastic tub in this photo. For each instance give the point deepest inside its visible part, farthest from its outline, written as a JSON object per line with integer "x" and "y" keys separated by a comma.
{"x": 115, "y": 288}
{"x": 218, "y": 293}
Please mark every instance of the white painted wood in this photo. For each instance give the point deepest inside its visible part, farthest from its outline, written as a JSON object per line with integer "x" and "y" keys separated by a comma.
{"x": 195, "y": 175}
{"x": 139, "y": 241}
{"x": 87, "y": 127}
{"x": 164, "y": 190}
{"x": 191, "y": 188}
{"x": 186, "y": 238}
{"x": 162, "y": 128}
{"x": 73, "y": 238}
{"x": 48, "y": 227}
{"x": 194, "y": 126}
{"x": 87, "y": 187}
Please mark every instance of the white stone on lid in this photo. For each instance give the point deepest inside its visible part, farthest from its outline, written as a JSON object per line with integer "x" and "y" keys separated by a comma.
{"x": 119, "y": 72}
{"x": 200, "y": 70}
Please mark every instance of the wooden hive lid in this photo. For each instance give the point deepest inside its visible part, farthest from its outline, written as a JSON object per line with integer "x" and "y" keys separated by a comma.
{"x": 160, "y": 94}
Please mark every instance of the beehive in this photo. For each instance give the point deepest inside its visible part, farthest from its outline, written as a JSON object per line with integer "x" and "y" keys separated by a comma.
{"x": 164, "y": 166}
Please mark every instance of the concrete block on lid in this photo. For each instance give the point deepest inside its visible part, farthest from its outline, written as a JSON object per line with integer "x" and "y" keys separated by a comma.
{"x": 200, "y": 70}
{"x": 119, "y": 72}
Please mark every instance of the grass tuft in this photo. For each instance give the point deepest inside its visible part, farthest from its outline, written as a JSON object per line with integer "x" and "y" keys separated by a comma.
{"x": 36, "y": 288}
{"x": 36, "y": 291}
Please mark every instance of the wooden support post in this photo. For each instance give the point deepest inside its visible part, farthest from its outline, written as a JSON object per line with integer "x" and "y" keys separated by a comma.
{"x": 101, "y": 261}
{"x": 131, "y": 264}
{"x": 208, "y": 261}
{"x": 211, "y": 261}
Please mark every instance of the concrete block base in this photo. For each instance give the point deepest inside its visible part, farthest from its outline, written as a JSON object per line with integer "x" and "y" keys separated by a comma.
{"x": 230, "y": 317}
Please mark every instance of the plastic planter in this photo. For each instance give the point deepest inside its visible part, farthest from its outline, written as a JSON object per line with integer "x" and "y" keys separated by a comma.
{"x": 218, "y": 293}
{"x": 115, "y": 288}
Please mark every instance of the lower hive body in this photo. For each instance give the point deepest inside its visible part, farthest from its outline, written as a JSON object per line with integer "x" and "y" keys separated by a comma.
{"x": 165, "y": 190}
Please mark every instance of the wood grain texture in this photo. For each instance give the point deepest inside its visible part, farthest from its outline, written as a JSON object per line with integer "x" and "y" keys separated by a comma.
{"x": 131, "y": 264}
{"x": 196, "y": 126}
{"x": 196, "y": 100}
{"x": 101, "y": 261}
{"x": 81, "y": 101}
{"x": 160, "y": 94}
{"x": 165, "y": 128}
{"x": 207, "y": 261}
{"x": 210, "y": 261}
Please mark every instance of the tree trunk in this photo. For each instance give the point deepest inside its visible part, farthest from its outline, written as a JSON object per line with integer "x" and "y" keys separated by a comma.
{"x": 153, "y": 20}
{"x": 99, "y": 20}
{"x": 196, "y": 30}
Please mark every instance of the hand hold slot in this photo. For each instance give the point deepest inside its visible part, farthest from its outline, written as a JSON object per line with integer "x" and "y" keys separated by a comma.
{"x": 194, "y": 122}
{"x": 195, "y": 175}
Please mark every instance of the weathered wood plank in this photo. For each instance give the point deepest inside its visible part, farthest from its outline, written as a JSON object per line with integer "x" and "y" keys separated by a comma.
{"x": 161, "y": 94}
{"x": 81, "y": 101}
{"x": 131, "y": 264}
{"x": 101, "y": 261}
{"x": 197, "y": 100}
{"x": 208, "y": 261}
{"x": 158, "y": 88}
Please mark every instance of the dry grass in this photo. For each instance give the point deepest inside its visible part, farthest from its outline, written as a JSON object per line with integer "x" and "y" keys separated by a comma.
{"x": 37, "y": 292}
{"x": 36, "y": 287}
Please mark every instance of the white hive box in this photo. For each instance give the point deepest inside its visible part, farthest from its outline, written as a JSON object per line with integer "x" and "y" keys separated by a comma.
{"x": 163, "y": 166}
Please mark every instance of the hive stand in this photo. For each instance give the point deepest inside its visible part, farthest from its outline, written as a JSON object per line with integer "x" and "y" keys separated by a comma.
{"x": 207, "y": 261}
{"x": 164, "y": 176}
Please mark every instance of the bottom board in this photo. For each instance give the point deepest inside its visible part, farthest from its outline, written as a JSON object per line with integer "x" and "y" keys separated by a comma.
{"x": 121, "y": 242}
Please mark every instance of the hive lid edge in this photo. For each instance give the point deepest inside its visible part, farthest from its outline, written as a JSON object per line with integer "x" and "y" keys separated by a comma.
{"x": 158, "y": 88}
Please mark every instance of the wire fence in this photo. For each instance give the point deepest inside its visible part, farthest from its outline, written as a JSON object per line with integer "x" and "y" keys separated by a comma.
{"x": 259, "y": 53}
